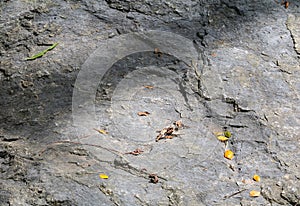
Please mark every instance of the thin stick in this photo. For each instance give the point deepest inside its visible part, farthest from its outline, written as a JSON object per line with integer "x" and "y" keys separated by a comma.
{"x": 236, "y": 193}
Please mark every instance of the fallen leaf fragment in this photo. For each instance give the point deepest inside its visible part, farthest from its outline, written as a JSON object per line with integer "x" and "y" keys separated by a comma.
{"x": 40, "y": 54}
{"x": 158, "y": 52}
{"x": 153, "y": 178}
{"x": 149, "y": 87}
{"x": 247, "y": 181}
{"x": 222, "y": 138}
{"x": 227, "y": 134}
{"x": 103, "y": 176}
{"x": 165, "y": 133}
{"x": 286, "y": 4}
{"x": 228, "y": 154}
{"x": 256, "y": 178}
{"x": 101, "y": 131}
{"x": 143, "y": 113}
{"x": 219, "y": 133}
{"x": 179, "y": 124}
{"x": 135, "y": 152}
{"x": 170, "y": 130}
{"x": 254, "y": 193}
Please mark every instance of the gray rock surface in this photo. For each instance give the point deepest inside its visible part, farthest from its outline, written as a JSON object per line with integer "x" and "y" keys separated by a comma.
{"x": 246, "y": 80}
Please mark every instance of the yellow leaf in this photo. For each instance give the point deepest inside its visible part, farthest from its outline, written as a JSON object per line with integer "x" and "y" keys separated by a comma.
{"x": 103, "y": 176}
{"x": 101, "y": 131}
{"x": 254, "y": 193}
{"x": 228, "y": 154}
{"x": 222, "y": 138}
{"x": 219, "y": 133}
{"x": 256, "y": 178}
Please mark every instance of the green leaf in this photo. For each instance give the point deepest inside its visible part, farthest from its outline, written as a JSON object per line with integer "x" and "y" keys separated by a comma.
{"x": 40, "y": 54}
{"x": 227, "y": 134}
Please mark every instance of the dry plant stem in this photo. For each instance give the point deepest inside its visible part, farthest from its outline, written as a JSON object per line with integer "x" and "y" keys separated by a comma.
{"x": 236, "y": 193}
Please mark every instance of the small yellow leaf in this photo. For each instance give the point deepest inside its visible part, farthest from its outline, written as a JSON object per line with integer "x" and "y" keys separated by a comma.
{"x": 101, "y": 131}
{"x": 222, "y": 138}
{"x": 228, "y": 154}
{"x": 219, "y": 133}
{"x": 103, "y": 176}
{"x": 254, "y": 193}
{"x": 227, "y": 134}
{"x": 256, "y": 178}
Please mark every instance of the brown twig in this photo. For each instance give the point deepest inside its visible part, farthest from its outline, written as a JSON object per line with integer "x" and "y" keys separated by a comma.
{"x": 236, "y": 193}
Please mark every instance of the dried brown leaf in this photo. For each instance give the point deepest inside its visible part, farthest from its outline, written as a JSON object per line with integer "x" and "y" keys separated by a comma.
{"x": 153, "y": 178}
{"x": 143, "y": 113}
{"x": 136, "y": 152}
{"x": 179, "y": 124}
{"x": 158, "y": 52}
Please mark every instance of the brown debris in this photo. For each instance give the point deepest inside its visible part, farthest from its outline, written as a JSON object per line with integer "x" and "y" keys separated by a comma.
{"x": 153, "y": 178}
{"x": 143, "y": 113}
{"x": 135, "y": 152}
{"x": 158, "y": 52}
{"x": 164, "y": 133}
{"x": 149, "y": 87}
{"x": 168, "y": 132}
{"x": 285, "y": 3}
{"x": 178, "y": 124}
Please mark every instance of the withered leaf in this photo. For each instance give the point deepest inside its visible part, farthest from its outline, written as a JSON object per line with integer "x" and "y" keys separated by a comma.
{"x": 153, "y": 178}
{"x": 149, "y": 87}
{"x": 179, "y": 124}
{"x": 143, "y": 113}
{"x": 219, "y": 133}
{"x": 254, "y": 193}
{"x": 103, "y": 176}
{"x": 228, "y": 154}
{"x": 159, "y": 137}
{"x": 165, "y": 133}
{"x": 136, "y": 152}
{"x": 101, "y": 131}
{"x": 256, "y": 178}
{"x": 222, "y": 138}
{"x": 170, "y": 130}
{"x": 286, "y": 4}
{"x": 158, "y": 52}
